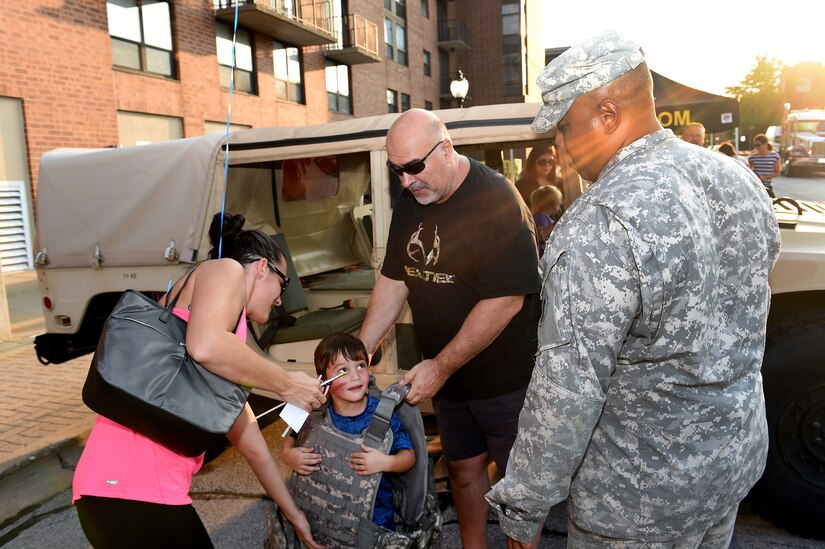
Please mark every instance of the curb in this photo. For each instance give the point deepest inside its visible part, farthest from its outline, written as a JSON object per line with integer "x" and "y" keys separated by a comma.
{"x": 30, "y": 480}
{"x": 14, "y": 465}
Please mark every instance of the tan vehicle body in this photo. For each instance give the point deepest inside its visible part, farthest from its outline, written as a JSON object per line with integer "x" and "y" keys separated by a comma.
{"x": 114, "y": 219}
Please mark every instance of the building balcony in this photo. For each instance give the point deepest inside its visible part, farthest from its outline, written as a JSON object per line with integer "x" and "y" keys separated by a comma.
{"x": 296, "y": 22}
{"x": 356, "y": 41}
{"x": 452, "y": 35}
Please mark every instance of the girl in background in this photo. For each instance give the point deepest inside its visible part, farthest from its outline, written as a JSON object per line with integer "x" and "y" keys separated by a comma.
{"x": 545, "y": 203}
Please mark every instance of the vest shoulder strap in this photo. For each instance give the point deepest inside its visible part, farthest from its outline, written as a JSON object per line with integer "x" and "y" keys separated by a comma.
{"x": 380, "y": 422}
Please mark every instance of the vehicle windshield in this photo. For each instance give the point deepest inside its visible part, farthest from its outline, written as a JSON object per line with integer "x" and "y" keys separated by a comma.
{"x": 812, "y": 126}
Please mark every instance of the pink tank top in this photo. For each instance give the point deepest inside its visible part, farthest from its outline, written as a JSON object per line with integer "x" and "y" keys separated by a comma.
{"x": 119, "y": 463}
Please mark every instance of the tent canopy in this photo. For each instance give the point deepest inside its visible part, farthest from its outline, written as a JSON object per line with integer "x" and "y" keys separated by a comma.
{"x": 678, "y": 105}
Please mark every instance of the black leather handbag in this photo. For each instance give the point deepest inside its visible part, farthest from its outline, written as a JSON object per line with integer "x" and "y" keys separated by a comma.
{"x": 142, "y": 377}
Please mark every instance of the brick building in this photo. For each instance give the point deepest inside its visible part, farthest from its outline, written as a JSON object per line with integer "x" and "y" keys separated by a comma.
{"x": 104, "y": 73}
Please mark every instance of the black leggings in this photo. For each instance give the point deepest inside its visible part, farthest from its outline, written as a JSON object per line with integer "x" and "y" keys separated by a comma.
{"x": 124, "y": 523}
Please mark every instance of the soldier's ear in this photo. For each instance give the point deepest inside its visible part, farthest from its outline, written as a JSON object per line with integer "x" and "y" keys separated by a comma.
{"x": 609, "y": 115}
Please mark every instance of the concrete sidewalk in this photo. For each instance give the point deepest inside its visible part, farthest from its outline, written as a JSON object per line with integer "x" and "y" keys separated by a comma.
{"x": 43, "y": 421}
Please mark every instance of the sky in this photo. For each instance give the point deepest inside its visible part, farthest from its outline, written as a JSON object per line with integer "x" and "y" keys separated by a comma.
{"x": 704, "y": 44}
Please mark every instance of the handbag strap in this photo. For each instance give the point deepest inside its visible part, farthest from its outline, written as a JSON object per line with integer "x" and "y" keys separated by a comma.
{"x": 167, "y": 311}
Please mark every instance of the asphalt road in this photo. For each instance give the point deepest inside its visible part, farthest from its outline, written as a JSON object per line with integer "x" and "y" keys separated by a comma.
{"x": 808, "y": 187}
{"x": 237, "y": 514}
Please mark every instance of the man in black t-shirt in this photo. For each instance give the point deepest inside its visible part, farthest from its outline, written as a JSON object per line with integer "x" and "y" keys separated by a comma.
{"x": 462, "y": 252}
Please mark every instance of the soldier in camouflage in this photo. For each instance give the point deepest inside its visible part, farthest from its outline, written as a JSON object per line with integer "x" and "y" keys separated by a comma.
{"x": 646, "y": 402}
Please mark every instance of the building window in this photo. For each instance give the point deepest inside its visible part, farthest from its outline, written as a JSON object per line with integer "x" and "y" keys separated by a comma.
{"x": 244, "y": 68}
{"x": 425, "y": 9}
{"x": 405, "y": 102}
{"x": 395, "y": 30}
{"x": 135, "y": 128}
{"x": 288, "y": 82}
{"x": 141, "y": 36}
{"x": 512, "y": 73}
{"x": 510, "y": 19}
{"x": 13, "y": 166}
{"x": 392, "y": 101}
{"x": 428, "y": 69}
{"x": 428, "y": 105}
{"x": 444, "y": 76}
{"x": 512, "y": 59}
{"x": 339, "y": 98}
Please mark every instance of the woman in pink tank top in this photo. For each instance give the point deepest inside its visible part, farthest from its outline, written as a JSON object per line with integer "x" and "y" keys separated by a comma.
{"x": 132, "y": 492}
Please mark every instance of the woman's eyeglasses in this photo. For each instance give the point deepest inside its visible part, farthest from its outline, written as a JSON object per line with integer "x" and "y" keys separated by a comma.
{"x": 412, "y": 167}
{"x": 546, "y": 161}
{"x": 277, "y": 271}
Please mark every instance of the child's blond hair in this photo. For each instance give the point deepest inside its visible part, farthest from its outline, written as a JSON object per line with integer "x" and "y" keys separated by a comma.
{"x": 542, "y": 198}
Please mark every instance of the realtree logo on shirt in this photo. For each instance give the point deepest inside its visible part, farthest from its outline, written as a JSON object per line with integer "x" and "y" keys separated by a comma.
{"x": 429, "y": 276}
{"x": 418, "y": 253}
{"x": 415, "y": 247}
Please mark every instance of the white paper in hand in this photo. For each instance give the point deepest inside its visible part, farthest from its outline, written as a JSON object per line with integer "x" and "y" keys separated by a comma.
{"x": 294, "y": 416}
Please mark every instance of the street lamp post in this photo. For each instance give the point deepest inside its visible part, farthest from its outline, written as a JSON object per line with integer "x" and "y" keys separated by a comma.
{"x": 459, "y": 88}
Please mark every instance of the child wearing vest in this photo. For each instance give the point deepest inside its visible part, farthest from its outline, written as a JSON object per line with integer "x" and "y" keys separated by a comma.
{"x": 351, "y": 410}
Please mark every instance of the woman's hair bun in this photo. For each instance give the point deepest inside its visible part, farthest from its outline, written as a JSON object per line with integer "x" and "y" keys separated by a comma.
{"x": 244, "y": 246}
{"x": 232, "y": 227}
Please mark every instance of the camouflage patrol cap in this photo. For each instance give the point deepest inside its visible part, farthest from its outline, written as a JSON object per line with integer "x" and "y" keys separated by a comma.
{"x": 580, "y": 70}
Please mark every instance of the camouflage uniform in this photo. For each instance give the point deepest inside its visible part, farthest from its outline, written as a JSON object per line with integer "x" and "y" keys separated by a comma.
{"x": 646, "y": 402}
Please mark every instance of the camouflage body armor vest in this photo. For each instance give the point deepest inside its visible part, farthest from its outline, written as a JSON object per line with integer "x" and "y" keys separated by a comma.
{"x": 339, "y": 503}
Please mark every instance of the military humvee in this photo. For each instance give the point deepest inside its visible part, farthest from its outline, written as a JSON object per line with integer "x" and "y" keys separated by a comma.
{"x": 114, "y": 219}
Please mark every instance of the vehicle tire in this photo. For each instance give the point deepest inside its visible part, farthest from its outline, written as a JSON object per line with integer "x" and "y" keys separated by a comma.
{"x": 794, "y": 171}
{"x": 789, "y": 170}
{"x": 791, "y": 492}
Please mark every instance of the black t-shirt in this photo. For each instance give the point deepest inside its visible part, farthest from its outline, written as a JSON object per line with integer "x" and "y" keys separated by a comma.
{"x": 479, "y": 244}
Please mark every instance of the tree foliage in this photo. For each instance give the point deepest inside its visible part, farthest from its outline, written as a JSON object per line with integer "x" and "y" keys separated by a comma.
{"x": 760, "y": 102}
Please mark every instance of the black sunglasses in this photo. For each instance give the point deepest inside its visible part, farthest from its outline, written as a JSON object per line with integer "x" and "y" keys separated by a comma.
{"x": 278, "y": 272}
{"x": 412, "y": 167}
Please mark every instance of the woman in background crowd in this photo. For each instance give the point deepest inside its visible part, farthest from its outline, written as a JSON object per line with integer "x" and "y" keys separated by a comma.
{"x": 765, "y": 162}
{"x": 539, "y": 170}
{"x": 728, "y": 149}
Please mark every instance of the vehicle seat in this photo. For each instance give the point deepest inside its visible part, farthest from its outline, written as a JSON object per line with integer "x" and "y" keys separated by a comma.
{"x": 362, "y": 219}
{"x": 310, "y": 325}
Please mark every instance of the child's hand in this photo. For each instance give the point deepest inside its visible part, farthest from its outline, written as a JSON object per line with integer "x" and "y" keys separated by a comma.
{"x": 303, "y": 461}
{"x": 368, "y": 462}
